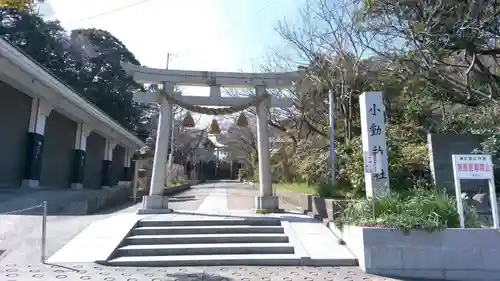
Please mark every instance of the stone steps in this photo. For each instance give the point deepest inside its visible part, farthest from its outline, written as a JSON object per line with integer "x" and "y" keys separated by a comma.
{"x": 212, "y": 222}
{"x": 206, "y": 242}
{"x": 218, "y": 229}
{"x": 206, "y": 249}
{"x": 208, "y": 260}
{"x": 208, "y": 238}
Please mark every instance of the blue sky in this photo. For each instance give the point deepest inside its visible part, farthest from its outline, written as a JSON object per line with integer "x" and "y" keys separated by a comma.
{"x": 211, "y": 35}
{"x": 229, "y": 35}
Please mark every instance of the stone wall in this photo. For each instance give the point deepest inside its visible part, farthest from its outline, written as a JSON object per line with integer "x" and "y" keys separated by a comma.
{"x": 451, "y": 254}
{"x": 441, "y": 148}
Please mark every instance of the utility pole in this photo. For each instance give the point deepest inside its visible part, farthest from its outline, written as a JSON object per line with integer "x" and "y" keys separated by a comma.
{"x": 331, "y": 117}
{"x": 168, "y": 59}
{"x": 169, "y": 165}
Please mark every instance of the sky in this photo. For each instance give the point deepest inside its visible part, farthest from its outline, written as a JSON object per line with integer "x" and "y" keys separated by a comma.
{"x": 210, "y": 35}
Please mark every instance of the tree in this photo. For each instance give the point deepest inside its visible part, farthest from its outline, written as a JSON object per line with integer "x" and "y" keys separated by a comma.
{"x": 102, "y": 78}
{"x": 88, "y": 61}
{"x": 453, "y": 43}
{"x": 241, "y": 142}
{"x": 45, "y": 41}
{"x": 20, "y": 5}
{"x": 333, "y": 46}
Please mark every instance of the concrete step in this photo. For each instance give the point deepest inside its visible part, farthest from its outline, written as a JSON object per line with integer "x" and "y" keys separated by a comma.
{"x": 156, "y": 222}
{"x": 208, "y": 260}
{"x": 217, "y": 229}
{"x": 207, "y": 238}
{"x": 206, "y": 249}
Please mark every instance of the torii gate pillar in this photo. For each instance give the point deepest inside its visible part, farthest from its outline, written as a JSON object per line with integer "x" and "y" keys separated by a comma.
{"x": 155, "y": 202}
{"x": 266, "y": 200}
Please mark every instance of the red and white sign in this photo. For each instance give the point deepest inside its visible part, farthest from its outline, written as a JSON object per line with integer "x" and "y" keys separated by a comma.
{"x": 473, "y": 166}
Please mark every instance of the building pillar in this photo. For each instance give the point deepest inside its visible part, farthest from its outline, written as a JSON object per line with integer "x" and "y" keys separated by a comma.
{"x": 266, "y": 201}
{"x": 127, "y": 173}
{"x": 79, "y": 155}
{"x": 40, "y": 110}
{"x": 155, "y": 202}
{"x": 109, "y": 147}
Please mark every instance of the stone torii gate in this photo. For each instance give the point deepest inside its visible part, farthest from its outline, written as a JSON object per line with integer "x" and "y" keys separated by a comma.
{"x": 266, "y": 201}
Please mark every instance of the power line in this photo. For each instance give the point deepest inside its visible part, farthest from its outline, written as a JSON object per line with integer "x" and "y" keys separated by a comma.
{"x": 90, "y": 17}
{"x": 112, "y": 11}
{"x": 265, "y": 7}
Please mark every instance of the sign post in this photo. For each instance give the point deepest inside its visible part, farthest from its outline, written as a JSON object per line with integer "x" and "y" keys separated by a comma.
{"x": 474, "y": 167}
{"x": 373, "y": 120}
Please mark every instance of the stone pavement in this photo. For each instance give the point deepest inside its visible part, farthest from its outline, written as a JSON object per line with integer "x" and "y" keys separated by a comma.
{"x": 87, "y": 271}
{"x": 22, "y": 242}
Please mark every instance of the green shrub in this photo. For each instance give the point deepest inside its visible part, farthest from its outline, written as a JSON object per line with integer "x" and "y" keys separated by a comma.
{"x": 255, "y": 175}
{"x": 299, "y": 187}
{"x": 177, "y": 182}
{"x": 339, "y": 190}
{"x": 312, "y": 166}
{"x": 417, "y": 209}
{"x": 408, "y": 161}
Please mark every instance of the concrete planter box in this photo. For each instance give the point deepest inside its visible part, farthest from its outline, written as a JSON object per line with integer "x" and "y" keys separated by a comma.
{"x": 166, "y": 192}
{"x": 176, "y": 189}
{"x": 102, "y": 199}
{"x": 452, "y": 254}
{"x": 303, "y": 201}
{"x": 323, "y": 208}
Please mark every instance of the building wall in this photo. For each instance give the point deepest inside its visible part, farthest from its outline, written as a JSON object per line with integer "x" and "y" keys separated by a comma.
{"x": 93, "y": 161}
{"x": 60, "y": 134}
{"x": 15, "y": 108}
{"x": 117, "y": 164}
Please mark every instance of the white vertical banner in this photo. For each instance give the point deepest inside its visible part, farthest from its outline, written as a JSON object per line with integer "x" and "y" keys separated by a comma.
{"x": 374, "y": 144}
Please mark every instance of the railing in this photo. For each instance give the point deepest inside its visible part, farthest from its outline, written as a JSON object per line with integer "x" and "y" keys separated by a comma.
{"x": 43, "y": 207}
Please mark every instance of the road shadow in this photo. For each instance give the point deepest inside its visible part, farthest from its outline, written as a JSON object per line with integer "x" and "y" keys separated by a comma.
{"x": 182, "y": 199}
{"x": 197, "y": 277}
{"x": 286, "y": 216}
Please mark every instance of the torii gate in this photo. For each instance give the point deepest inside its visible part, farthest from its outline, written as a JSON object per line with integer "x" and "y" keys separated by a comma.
{"x": 266, "y": 201}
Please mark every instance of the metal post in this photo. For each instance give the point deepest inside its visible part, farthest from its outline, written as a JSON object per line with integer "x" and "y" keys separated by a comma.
{"x": 135, "y": 181}
{"x": 331, "y": 117}
{"x": 171, "y": 154}
{"x": 44, "y": 232}
{"x": 494, "y": 204}
{"x": 195, "y": 165}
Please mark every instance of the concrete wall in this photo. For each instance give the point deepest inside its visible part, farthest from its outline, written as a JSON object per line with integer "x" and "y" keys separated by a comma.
{"x": 60, "y": 133}
{"x": 93, "y": 161}
{"x": 441, "y": 148}
{"x": 452, "y": 254}
{"x": 304, "y": 201}
{"x": 15, "y": 109}
{"x": 117, "y": 164}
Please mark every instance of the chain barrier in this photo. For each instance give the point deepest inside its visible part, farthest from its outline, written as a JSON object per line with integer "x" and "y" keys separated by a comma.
{"x": 18, "y": 211}
{"x": 42, "y": 206}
